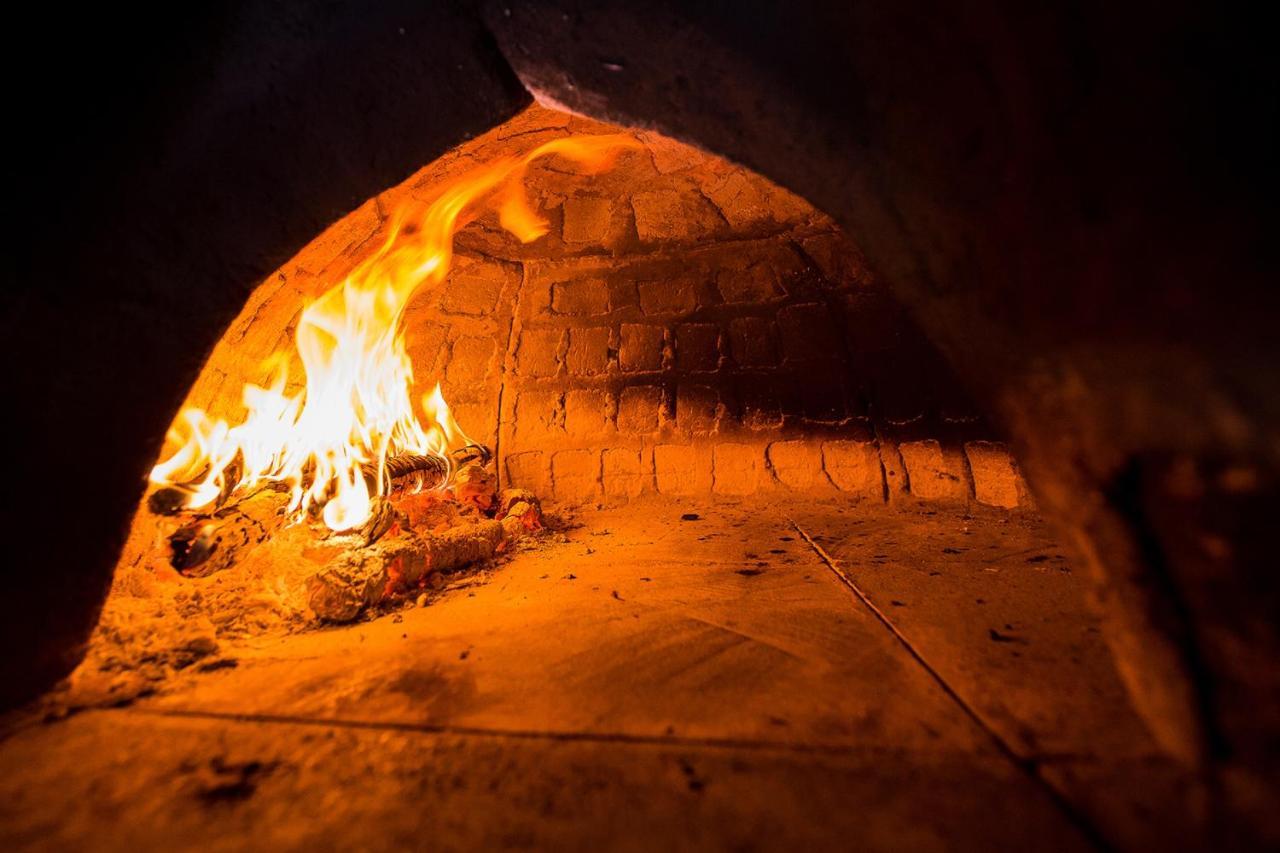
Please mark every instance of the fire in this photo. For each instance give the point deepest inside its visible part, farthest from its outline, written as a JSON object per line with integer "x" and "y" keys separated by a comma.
{"x": 355, "y": 408}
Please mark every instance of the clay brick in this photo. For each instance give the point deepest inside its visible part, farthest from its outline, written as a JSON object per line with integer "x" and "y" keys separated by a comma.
{"x": 671, "y": 156}
{"x": 753, "y": 342}
{"x": 586, "y": 413}
{"x": 760, "y": 403}
{"x": 679, "y": 296}
{"x": 674, "y": 215}
{"x": 895, "y": 475}
{"x": 995, "y": 476}
{"x": 640, "y": 347}
{"x": 839, "y": 260}
{"x": 854, "y": 466}
{"x": 588, "y": 298}
{"x": 682, "y": 469}
{"x": 807, "y": 332}
{"x": 474, "y": 287}
{"x": 742, "y": 201}
{"x": 696, "y": 408}
{"x": 588, "y": 352}
{"x": 798, "y": 464}
{"x": 625, "y": 472}
{"x": 424, "y": 343}
{"x": 757, "y": 283}
{"x": 697, "y": 346}
{"x": 586, "y": 219}
{"x": 738, "y": 469}
{"x": 477, "y": 419}
{"x": 622, "y": 294}
{"x": 341, "y": 238}
{"x": 575, "y": 475}
{"x": 528, "y": 470}
{"x": 933, "y": 474}
{"x": 638, "y": 408}
{"x": 469, "y": 362}
{"x": 538, "y": 351}
{"x": 539, "y": 416}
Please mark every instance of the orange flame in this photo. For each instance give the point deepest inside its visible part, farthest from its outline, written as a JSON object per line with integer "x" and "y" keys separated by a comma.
{"x": 355, "y": 407}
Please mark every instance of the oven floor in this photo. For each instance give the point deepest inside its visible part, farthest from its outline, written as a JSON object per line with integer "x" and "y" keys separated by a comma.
{"x": 650, "y": 681}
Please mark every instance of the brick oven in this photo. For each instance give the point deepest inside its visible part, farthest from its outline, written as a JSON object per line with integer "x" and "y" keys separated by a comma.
{"x": 686, "y": 329}
{"x": 561, "y": 425}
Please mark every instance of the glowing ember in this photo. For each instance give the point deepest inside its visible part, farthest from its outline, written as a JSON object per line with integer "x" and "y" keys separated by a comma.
{"x": 355, "y": 408}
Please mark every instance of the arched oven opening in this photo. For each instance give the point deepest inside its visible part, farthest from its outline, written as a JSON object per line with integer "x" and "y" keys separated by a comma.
{"x": 588, "y": 488}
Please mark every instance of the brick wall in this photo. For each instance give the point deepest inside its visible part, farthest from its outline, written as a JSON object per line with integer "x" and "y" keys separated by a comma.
{"x": 686, "y": 328}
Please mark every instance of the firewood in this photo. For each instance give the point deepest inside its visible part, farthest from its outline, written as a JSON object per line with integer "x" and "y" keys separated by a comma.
{"x": 522, "y": 504}
{"x": 347, "y": 585}
{"x": 382, "y": 517}
{"x": 463, "y": 545}
{"x": 426, "y": 471}
{"x": 212, "y": 542}
{"x": 474, "y": 485}
{"x": 395, "y": 565}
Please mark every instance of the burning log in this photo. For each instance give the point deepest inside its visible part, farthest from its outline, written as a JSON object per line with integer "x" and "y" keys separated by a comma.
{"x": 211, "y": 543}
{"x": 357, "y": 579}
{"x": 382, "y": 517}
{"x": 430, "y": 470}
{"x": 170, "y": 500}
{"x": 523, "y": 505}
{"x": 474, "y": 485}
{"x": 407, "y": 561}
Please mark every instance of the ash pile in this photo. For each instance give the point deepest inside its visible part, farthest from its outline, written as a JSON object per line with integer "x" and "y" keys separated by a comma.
{"x": 189, "y": 585}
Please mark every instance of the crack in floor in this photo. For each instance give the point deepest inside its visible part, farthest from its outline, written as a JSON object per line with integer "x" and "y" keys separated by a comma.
{"x": 1029, "y": 765}
{"x": 627, "y": 738}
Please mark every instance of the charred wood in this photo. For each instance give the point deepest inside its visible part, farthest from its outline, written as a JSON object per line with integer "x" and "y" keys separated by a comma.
{"x": 407, "y": 561}
{"x": 212, "y": 542}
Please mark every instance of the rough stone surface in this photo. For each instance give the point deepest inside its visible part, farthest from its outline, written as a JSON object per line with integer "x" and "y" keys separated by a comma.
{"x": 674, "y": 215}
{"x": 753, "y": 342}
{"x": 469, "y": 360}
{"x": 682, "y": 469}
{"x": 588, "y": 298}
{"x": 528, "y": 470}
{"x": 588, "y": 351}
{"x": 538, "y": 352}
{"x": 995, "y": 478}
{"x": 625, "y": 472}
{"x": 854, "y": 466}
{"x": 586, "y": 414}
{"x": 541, "y": 415}
{"x": 798, "y": 464}
{"x": 678, "y": 296}
{"x": 728, "y": 628}
{"x": 638, "y": 409}
{"x": 586, "y": 219}
{"x": 641, "y": 347}
{"x": 475, "y": 286}
{"x": 738, "y": 469}
{"x": 934, "y": 474}
{"x": 575, "y": 475}
{"x": 807, "y": 332}
{"x": 756, "y": 283}
{"x": 697, "y": 346}
{"x": 696, "y": 408}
